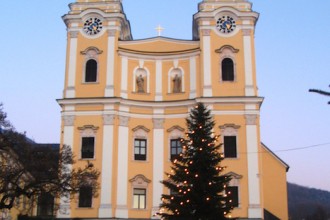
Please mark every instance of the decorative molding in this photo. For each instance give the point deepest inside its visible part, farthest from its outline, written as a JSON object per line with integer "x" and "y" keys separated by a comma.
{"x": 108, "y": 119}
{"x": 222, "y": 127}
{"x": 68, "y": 120}
{"x": 73, "y": 34}
{"x": 140, "y": 181}
{"x": 234, "y": 175}
{"x": 246, "y": 32}
{"x": 64, "y": 209}
{"x": 231, "y": 48}
{"x": 85, "y": 127}
{"x": 123, "y": 121}
{"x": 158, "y": 123}
{"x": 111, "y": 33}
{"x": 175, "y": 127}
{"x": 140, "y": 127}
{"x": 206, "y": 32}
{"x": 251, "y": 119}
{"x": 105, "y": 206}
{"x": 98, "y": 51}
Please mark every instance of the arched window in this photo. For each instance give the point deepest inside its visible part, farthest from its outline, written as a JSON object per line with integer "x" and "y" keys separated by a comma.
{"x": 227, "y": 69}
{"x": 91, "y": 71}
{"x": 140, "y": 143}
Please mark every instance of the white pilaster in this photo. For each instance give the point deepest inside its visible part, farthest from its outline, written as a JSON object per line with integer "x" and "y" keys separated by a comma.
{"x": 122, "y": 174}
{"x": 249, "y": 88}
{"x": 254, "y": 210}
{"x": 193, "y": 78}
{"x": 105, "y": 210}
{"x": 124, "y": 76}
{"x": 159, "y": 81}
{"x": 109, "y": 89}
{"x": 207, "y": 86}
{"x": 64, "y": 210}
{"x": 70, "y": 90}
{"x": 158, "y": 163}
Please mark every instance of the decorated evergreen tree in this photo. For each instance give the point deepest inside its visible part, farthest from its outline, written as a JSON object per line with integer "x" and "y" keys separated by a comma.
{"x": 196, "y": 182}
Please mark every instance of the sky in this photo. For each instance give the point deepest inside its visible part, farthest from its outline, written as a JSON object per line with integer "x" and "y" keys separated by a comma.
{"x": 292, "y": 55}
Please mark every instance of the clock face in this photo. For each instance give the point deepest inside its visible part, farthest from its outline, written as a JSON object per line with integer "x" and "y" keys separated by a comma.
{"x": 92, "y": 26}
{"x": 226, "y": 24}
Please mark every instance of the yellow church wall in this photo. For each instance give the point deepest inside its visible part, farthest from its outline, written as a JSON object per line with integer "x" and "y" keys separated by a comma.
{"x": 141, "y": 110}
{"x": 95, "y": 89}
{"x": 237, "y": 87}
{"x": 275, "y": 185}
{"x": 81, "y": 121}
{"x": 82, "y": 108}
{"x": 148, "y": 95}
{"x": 230, "y": 106}
{"x": 175, "y": 110}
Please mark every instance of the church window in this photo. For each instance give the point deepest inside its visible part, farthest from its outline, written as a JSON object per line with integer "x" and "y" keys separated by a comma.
{"x": 88, "y": 134}
{"x": 139, "y": 198}
{"x": 227, "y": 62}
{"x": 45, "y": 205}
{"x": 175, "y": 145}
{"x": 232, "y": 193}
{"x": 87, "y": 147}
{"x": 139, "y": 184}
{"x": 140, "y": 143}
{"x": 91, "y": 64}
{"x": 229, "y": 133}
{"x": 91, "y": 71}
{"x": 230, "y": 148}
{"x": 140, "y": 149}
{"x": 176, "y": 148}
{"x": 227, "y": 69}
{"x": 85, "y": 197}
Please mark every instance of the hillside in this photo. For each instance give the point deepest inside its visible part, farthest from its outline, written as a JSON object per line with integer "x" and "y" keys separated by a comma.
{"x": 308, "y": 203}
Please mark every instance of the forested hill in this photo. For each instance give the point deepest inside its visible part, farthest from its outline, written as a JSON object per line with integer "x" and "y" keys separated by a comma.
{"x": 308, "y": 203}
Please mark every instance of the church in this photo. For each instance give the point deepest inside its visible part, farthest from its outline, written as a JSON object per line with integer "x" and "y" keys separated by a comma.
{"x": 125, "y": 102}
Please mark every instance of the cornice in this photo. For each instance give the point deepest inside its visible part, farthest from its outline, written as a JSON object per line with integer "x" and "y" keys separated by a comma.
{"x": 159, "y": 38}
{"x": 129, "y": 52}
{"x": 162, "y": 104}
{"x": 212, "y": 14}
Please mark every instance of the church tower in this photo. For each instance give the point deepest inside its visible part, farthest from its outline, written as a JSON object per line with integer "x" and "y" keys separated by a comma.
{"x": 125, "y": 102}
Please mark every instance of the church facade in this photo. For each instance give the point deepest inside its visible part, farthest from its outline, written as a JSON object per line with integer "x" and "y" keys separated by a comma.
{"x": 125, "y": 102}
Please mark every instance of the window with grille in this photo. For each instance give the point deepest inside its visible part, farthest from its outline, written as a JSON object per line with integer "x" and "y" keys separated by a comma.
{"x": 139, "y": 198}
{"x": 140, "y": 149}
{"x": 176, "y": 148}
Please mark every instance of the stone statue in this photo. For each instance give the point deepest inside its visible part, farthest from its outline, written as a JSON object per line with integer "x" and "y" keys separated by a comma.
{"x": 140, "y": 84}
{"x": 177, "y": 84}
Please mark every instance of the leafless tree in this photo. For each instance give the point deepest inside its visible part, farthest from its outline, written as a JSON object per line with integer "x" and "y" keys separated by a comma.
{"x": 28, "y": 169}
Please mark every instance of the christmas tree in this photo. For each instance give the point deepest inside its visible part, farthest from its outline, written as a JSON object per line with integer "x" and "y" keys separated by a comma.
{"x": 196, "y": 182}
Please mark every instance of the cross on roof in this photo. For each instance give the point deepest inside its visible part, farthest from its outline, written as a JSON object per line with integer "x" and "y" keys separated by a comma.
{"x": 159, "y": 30}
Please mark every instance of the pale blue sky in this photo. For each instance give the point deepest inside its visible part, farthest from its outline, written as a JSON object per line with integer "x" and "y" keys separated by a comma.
{"x": 292, "y": 51}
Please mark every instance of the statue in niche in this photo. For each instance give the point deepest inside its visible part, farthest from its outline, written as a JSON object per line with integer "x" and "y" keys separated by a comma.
{"x": 177, "y": 84}
{"x": 140, "y": 84}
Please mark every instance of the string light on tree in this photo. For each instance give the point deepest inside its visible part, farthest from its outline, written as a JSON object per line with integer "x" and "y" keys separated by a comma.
{"x": 198, "y": 173}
